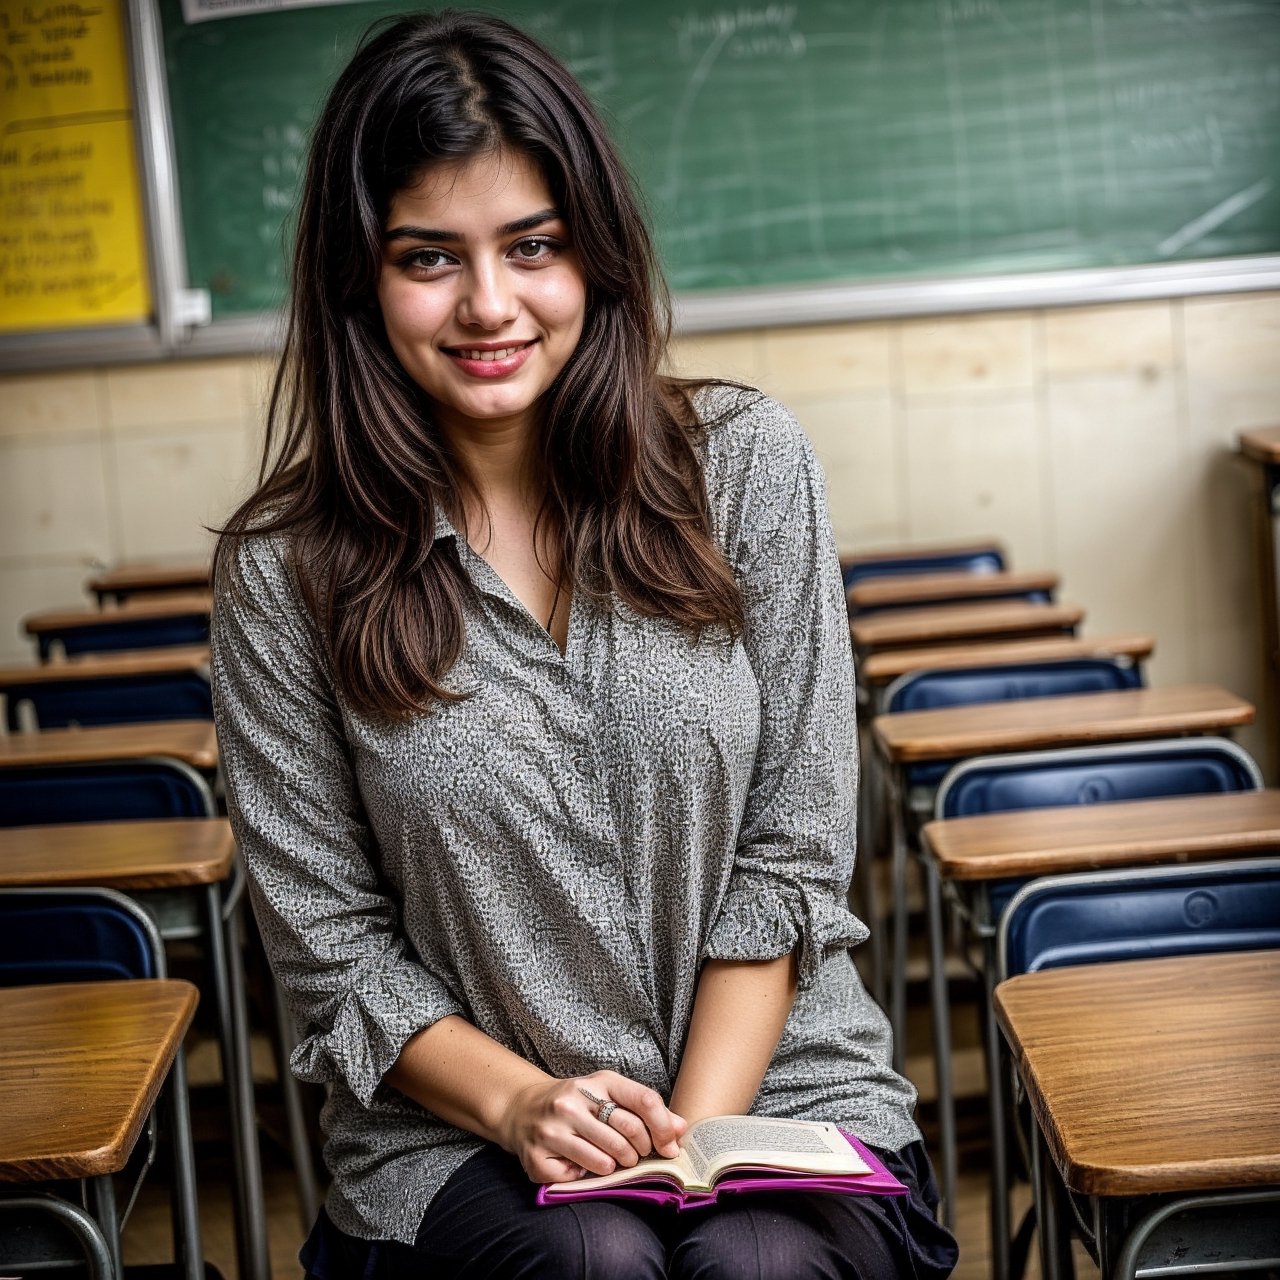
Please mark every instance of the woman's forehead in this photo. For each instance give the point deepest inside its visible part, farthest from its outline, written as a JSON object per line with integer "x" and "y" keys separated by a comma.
{"x": 476, "y": 194}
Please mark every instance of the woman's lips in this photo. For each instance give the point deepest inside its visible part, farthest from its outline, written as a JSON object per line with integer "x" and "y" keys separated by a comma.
{"x": 493, "y": 363}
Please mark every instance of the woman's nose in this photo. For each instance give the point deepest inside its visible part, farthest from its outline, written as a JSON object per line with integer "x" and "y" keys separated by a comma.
{"x": 488, "y": 301}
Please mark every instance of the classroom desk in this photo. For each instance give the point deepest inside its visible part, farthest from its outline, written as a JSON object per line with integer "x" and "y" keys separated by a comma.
{"x": 877, "y": 673}
{"x": 1262, "y": 448}
{"x": 23, "y": 681}
{"x": 1148, "y": 1078}
{"x": 1034, "y": 724}
{"x": 881, "y": 669}
{"x": 958, "y": 623}
{"x": 191, "y": 741}
{"x": 974, "y": 854}
{"x": 989, "y": 553}
{"x": 81, "y": 1066}
{"x": 185, "y": 616}
{"x": 196, "y": 858}
{"x": 901, "y": 591}
{"x": 138, "y": 579}
{"x": 1026, "y": 724}
{"x": 125, "y": 662}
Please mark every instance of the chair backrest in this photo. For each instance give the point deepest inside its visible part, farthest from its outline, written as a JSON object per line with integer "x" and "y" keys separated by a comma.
{"x": 37, "y": 795}
{"x": 75, "y": 935}
{"x": 963, "y": 686}
{"x": 177, "y": 695}
{"x": 128, "y": 633}
{"x": 1093, "y": 775}
{"x": 973, "y": 560}
{"x": 1000, "y": 597}
{"x": 1144, "y": 913}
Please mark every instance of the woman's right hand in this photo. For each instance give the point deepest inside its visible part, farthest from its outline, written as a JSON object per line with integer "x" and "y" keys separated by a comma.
{"x": 552, "y": 1127}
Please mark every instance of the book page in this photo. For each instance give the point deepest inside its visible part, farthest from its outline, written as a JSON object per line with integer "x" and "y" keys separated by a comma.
{"x": 677, "y": 1171}
{"x": 805, "y": 1146}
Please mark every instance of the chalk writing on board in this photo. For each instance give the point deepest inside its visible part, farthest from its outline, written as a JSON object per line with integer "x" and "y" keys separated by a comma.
{"x": 71, "y": 248}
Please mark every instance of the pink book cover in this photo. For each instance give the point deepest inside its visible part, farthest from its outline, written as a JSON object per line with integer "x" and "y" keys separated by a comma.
{"x": 879, "y": 1182}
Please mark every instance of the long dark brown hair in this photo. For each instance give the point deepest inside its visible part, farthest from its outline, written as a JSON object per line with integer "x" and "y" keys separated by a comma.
{"x": 353, "y": 468}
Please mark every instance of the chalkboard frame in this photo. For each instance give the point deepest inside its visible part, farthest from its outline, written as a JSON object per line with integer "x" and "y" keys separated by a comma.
{"x": 181, "y": 328}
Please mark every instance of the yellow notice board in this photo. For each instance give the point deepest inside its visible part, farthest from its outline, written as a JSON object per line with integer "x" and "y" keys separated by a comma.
{"x": 71, "y": 233}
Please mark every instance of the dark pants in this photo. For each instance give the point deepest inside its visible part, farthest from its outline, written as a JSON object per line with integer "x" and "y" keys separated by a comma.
{"x": 484, "y": 1225}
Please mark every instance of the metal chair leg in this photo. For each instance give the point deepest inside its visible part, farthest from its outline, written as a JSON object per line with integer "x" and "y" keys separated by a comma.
{"x": 226, "y": 962}
{"x": 939, "y": 994}
{"x": 1054, "y": 1226}
{"x": 102, "y": 1194}
{"x": 999, "y": 1208}
{"x": 187, "y": 1250}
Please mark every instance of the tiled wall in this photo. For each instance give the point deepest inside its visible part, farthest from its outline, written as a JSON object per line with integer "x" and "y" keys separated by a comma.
{"x": 1097, "y": 441}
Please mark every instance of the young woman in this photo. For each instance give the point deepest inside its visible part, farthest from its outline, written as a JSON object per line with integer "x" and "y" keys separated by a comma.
{"x": 535, "y": 699}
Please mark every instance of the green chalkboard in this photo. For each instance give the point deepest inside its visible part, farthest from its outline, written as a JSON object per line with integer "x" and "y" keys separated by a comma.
{"x": 813, "y": 141}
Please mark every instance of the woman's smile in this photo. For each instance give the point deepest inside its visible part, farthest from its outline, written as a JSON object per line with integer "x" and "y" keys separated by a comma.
{"x": 488, "y": 361}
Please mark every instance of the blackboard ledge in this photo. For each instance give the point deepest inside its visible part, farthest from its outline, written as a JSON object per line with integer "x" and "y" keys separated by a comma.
{"x": 720, "y": 311}
{"x": 727, "y": 310}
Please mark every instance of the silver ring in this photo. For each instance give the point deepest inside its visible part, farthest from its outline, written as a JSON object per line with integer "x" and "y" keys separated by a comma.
{"x": 604, "y": 1108}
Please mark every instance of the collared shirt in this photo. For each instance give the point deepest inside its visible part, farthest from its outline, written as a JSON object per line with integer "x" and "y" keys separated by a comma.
{"x": 553, "y": 857}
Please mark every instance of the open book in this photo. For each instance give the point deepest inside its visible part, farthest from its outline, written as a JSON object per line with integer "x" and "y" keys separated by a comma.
{"x": 741, "y": 1154}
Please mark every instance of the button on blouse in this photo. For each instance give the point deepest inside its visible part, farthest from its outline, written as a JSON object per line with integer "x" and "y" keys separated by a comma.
{"x": 554, "y": 857}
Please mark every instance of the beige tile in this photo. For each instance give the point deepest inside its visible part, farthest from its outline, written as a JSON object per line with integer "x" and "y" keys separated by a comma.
{"x": 853, "y": 437}
{"x": 1228, "y": 627}
{"x": 173, "y": 484}
{"x": 1235, "y": 337}
{"x": 1134, "y": 338}
{"x": 257, "y": 375}
{"x": 973, "y": 471}
{"x": 967, "y": 353}
{"x": 27, "y": 589}
{"x": 1121, "y": 505}
{"x": 47, "y": 404}
{"x": 825, "y": 360}
{"x": 172, "y": 395}
{"x": 53, "y": 499}
{"x": 738, "y": 356}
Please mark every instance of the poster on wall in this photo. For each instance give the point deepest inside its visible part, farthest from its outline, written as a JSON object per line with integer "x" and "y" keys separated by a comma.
{"x": 72, "y": 245}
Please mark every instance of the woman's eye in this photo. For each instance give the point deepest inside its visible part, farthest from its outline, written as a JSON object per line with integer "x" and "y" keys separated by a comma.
{"x": 427, "y": 259}
{"x": 535, "y": 250}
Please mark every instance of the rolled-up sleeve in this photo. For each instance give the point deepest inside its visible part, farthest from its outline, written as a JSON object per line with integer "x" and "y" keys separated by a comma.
{"x": 332, "y": 933}
{"x": 794, "y": 857}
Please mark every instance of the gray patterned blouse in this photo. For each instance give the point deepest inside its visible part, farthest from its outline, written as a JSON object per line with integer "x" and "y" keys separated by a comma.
{"x": 554, "y": 857}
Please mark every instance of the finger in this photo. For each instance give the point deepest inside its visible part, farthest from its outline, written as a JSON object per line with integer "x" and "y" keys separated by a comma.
{"x": 647, "y": 1104}
{"x": 633, "y": 1129}
{"x": 552, "y": 1169}
{"x": 608, "y": 1136}
{"x": 570, "y": 1146}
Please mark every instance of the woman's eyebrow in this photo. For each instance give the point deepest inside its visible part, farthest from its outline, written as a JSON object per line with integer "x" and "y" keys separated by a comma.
{"x": 408, "y": 232}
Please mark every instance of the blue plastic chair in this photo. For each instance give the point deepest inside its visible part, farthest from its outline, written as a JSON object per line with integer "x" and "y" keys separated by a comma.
{"x": 1141, "y": 914}
{"x": 178, "y": 695}
{"x": 128, "y": 633}
{"x": 1144, "y": 914}
{"x": 970, "y": 560}
{"x": 50, "y": 936}
{"x": 38, "y": 795}
{"x": 931, "y": 689}
{"x": 1044, "y": 779}
{"x": 966, "y": 686}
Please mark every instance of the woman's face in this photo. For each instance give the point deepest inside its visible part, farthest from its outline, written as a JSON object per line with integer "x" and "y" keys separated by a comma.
{"x": 482, "y": 295}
